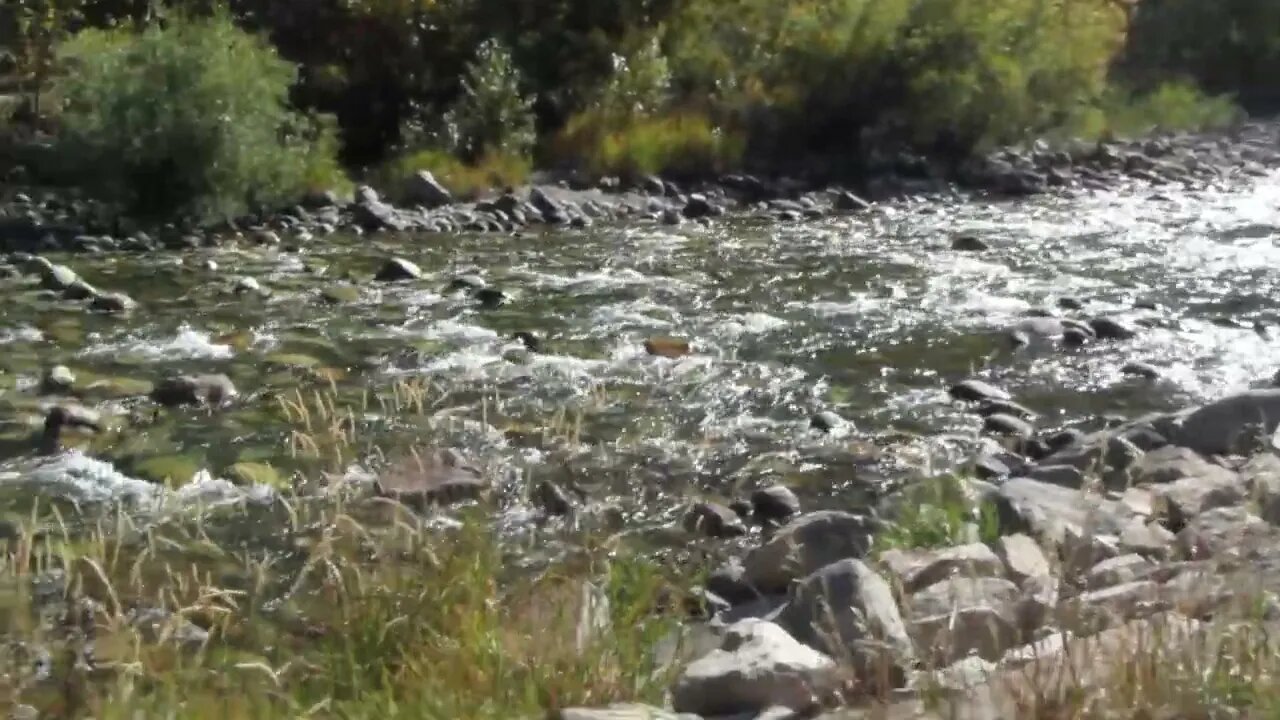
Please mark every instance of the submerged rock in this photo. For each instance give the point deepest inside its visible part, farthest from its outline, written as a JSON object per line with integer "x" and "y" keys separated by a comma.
{"x": 667, "y": 347}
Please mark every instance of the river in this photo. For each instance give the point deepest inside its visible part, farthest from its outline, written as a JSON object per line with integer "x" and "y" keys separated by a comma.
{"x": 872, "y": 316}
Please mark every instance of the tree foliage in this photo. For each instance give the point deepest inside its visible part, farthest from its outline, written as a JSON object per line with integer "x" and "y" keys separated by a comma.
{"x": 188, "y": 119}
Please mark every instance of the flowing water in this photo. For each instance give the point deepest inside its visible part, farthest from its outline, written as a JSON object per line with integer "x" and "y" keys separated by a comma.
{"x": 872, "y": 317}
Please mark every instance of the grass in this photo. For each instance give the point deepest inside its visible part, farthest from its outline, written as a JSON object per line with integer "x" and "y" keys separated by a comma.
{"x": 334, "y": 604}
{"x": 677, "y": 144}
{"x": 464, "y": 180}
{"x": 352, "y": 612}
{"x": 936, "y": 513}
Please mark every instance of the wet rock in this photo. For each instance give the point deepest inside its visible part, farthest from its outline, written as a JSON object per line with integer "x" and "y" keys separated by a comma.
{"x": 1070, "y": 303}
{"x": 806, "y": 544}
{"x": 1022, "y": 557}
{"x": 670, "y": 216}
{"x": 1074, "y": 337}
{"x": 987, "y": 467}
{"x": 398, "y": 269}
{"x": 263, "y": 237}
{"x": 1036, "y": 330}
{"x": 713, "y": 520}
{"x": 1066, "y": 476}
{"x": 775, "y": 504}
{"x": 963, "y": 615}
{"x": 729, "y": 582}
{"x": 667, "y": 347}
{"x": 465, "y": 283}
{"x": 56, "y": 277}
{"x": 552, "y": 498}
{"x": 757, "y": 666}
{"x": 826, "y": 421}
{"x": 1237, "y": 422}
{"x": 194, "y": 390}
{"x": 423, "y": 189}
{"x": 372, "y": 215}
{"x": 698, "y": 206}
{"x": 247, "y": 285}
{"x": 1004, "y": 407}
{"x": 1064, "y": 439}
{"x": 442, "y": 476}
{"x": 1141, "y": 369}
{"x": 1112, "y": 329}
{"x": 490, "y": 298}
{"x": 530, "y": 341}
{"x": 976, "y": 391}
{"x": 914, "y": 570}
{"x": 80, "y": 290}
{"x": 1144, "y": 437}
{"x": 1008, "y": 426}
{"x": 340, "y": 294}
{"x": 848, "y": 610}
{"x": 969, "y": 243}
{"x": 112, "y": 303}
{"x": 848, "y": 202}
{"x": 58, "y": 380}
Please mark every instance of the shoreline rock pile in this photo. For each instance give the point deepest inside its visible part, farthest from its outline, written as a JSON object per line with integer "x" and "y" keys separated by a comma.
{"x": 1168, "y": 524}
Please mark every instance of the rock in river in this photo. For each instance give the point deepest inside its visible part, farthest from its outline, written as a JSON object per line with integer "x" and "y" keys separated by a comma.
{"x": 713, "y": 520}
{"x": 112, "y": 303}
{"x": 194, "y": 390}
{"x": 806, "y": 544}
{"x": 1225, "y": 425}
{"x": 667, "y": 347}
{"x": 423, "y": 189}
{"x": 398, "y": 269}
{"x": 774, "y": 504}
{"x": 977, "y": 390}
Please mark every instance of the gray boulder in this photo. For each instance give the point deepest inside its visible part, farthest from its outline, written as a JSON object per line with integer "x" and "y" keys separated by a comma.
{"x": 806, "y": 544}
{"x": 1223, "y": 426}
{"x": 757, "y": 666}
{"x": 422, "y": 188}
{"x": 849, "y": 611}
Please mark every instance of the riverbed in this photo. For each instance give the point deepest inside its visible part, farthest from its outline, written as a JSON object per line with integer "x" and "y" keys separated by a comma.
{"x": 870, "y": 315}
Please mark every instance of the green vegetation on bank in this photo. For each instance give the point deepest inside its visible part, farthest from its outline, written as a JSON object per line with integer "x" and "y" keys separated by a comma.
{"x": 475, "y": 89}
{"x": 352, "y": 611}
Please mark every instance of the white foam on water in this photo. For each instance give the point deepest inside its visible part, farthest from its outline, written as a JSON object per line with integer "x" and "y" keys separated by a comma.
{"x": 187, "y": 344}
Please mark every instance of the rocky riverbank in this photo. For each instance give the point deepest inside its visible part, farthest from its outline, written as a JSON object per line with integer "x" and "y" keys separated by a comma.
{"x": 1141, "y": 543}
{"x": 35, "y": 222}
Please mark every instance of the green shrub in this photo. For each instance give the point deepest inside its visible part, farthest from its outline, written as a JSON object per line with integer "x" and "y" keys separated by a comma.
{"x": 492, "y": 115}
{"x": 602, "y": 143}
{"x": 936, "y": 513}
{"x": 1225, "y": 46}
{"x": 1174, "y": 105}
{"x": 191, "y": 120}
{"x": 463, "y": 179}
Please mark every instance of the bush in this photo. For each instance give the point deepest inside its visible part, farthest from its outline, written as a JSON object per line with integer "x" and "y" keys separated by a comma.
{"x": 492, "y": 115}
{"x": 1225, "y": 46}
{"x": 190, "y": 119}
{"x": 602, "y": 143}
{"x": 465, "y": 180}
{"x": 1174, "y": 105}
